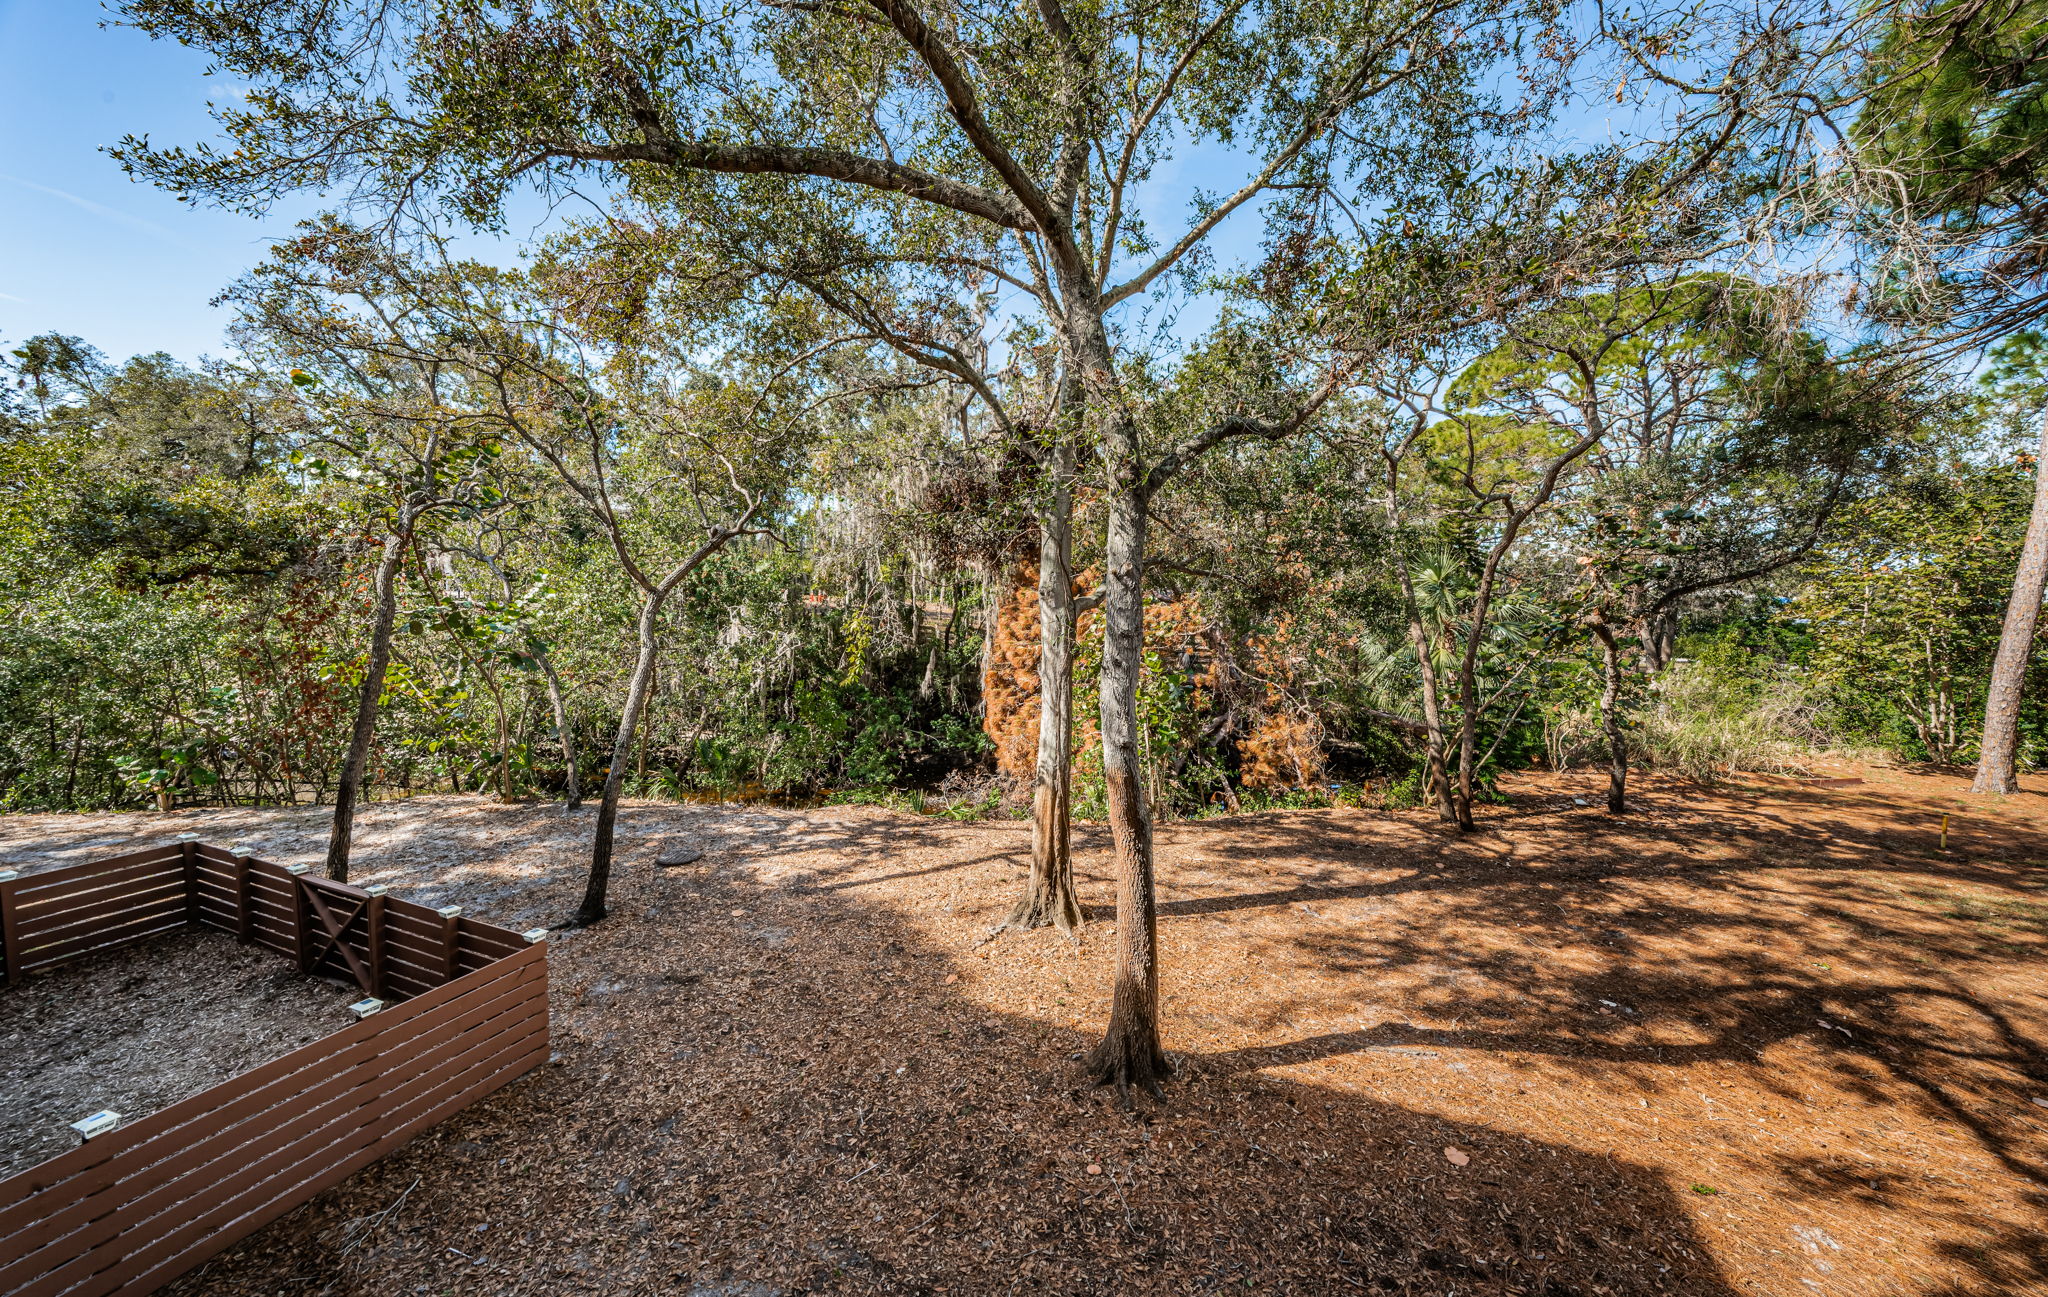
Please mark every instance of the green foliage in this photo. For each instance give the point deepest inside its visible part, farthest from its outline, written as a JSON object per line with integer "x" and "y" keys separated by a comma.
{"x": 1905, "y": 606}
{"x": 1957, "y": 118}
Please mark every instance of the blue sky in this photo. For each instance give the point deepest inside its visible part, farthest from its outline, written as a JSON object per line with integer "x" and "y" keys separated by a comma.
{"x": 129, "y": 269}
{"x": 125, "y": 265}
{"x": 88, "y": 251}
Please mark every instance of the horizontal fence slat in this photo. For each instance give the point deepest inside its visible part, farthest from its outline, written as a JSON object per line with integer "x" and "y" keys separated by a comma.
{"x": 412, "y": 914}
{"x": 86, "y": 869}
{"x": 489, "y": 938}
{"x": 15, "y": 1192}
{"x": 351, "y": 1123}
{"x": 261, "y": 892}
{"x": 248, "y": 1142}
{"x": 206, "y": 851}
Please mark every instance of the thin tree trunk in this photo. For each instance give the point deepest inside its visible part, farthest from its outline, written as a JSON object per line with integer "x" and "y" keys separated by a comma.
{"x": 640, "y": 762}
{"x": 572, "y": 778}
{"x": 1468, "y": 739}
{"x": 504, "y": 731}
{"x": 593, "y": 908}
{"x": 385, "y": 593}
{"x": 1610, "y": 719}
{"x": 1436, "y": 772}
{"x": 1998, "y": 757}
{"x": 1048, "y": 898}
{"x": 1129, "y": 1053}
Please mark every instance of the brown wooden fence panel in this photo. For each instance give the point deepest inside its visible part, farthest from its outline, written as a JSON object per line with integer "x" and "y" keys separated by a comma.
{"x": 62, "y": 914}
{"x": 138, "y": 1206}
{"x": 391, "y": 948}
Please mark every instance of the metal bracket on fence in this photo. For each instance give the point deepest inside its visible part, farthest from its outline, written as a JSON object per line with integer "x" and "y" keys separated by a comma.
{"x": 99, "y": 1123}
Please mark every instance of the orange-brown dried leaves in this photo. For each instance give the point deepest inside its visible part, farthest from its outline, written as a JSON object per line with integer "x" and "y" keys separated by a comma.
{"x": 1285, "y": 747}
{"x": 1009, "y": 688}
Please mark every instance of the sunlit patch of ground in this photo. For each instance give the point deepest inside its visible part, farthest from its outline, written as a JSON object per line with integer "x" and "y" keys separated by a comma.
{"x": 1766, "y": 1038}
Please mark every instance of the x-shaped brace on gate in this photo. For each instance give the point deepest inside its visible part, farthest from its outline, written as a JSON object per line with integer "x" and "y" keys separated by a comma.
{"x": 335, "y": 927}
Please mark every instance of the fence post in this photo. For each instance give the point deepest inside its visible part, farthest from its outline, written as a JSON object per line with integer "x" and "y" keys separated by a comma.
{"x": 450, "y": 942}
{"x": 10, "y": 927}
{"x": 191, "y": 851}
{"x": 245, "y": 926}
{"x": 302, "y": 946}
{"x": 373, "y": 939}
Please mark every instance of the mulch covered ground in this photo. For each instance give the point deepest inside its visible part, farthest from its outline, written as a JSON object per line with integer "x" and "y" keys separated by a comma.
{"x": 137, "y": 1030}
{"x": 1764, "y": 1038}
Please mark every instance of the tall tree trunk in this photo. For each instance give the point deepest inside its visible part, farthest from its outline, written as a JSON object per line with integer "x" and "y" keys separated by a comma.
{"x": 504, "y": 733}
{"x": 593, "y": 908}
{"x": 1610, "y": 719}
{"x": 572, "y": 778}
{"x": 1468, "y": 741}
{"x": 640, "y": 761}
{"x": 1436, "y": 777}
{"x": 385, "y": 594}
{"x": 1048, "y": 898}
{"x": 1998, "y": 757}
{"x": 1130, "y": 1053}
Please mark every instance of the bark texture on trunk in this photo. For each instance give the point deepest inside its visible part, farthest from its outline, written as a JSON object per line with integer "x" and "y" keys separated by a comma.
{"x": 593, "y": 908}
{"x": 385, "y": 596}
{"x": 1436, "y": 779}
{"x": 1998, "y": 757}
{"x": 572, "y": 779}
{"x": 1610, "y": 719}
{"x": 1048, "y": 899}
{"x": 1129, "y": 1053}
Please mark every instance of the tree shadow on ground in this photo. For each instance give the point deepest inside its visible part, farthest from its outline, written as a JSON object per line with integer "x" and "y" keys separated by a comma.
{"x": 1826, "y": 930}
{"x": 736, "y": 1111}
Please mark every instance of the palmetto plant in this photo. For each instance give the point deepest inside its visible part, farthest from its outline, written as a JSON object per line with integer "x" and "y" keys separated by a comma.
{"x": 1444, "y": 581}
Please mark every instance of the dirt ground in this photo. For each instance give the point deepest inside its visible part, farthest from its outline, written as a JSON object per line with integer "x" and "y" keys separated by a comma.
{"x": 138, "y": 1030}
{"x": 1764, "y": 1038}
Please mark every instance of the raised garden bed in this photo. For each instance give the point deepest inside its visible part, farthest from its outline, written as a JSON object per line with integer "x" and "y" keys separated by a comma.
{"x": 464, "y": 1012}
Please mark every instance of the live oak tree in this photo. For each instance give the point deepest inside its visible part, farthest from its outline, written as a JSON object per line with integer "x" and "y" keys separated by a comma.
{"x": 380, "y": 423}
{"x": 883, "y": 139}
{"x": 654, "y": 435}
{"x": 1722, "y": 443}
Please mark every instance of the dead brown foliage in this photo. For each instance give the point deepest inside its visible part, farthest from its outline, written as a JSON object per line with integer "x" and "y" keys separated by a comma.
{"x": 1009, "y": 688}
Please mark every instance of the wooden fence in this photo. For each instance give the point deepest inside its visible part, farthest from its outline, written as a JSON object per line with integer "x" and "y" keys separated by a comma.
{"x": 391, "y": 949}
{"x": 132, "y": 1209}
